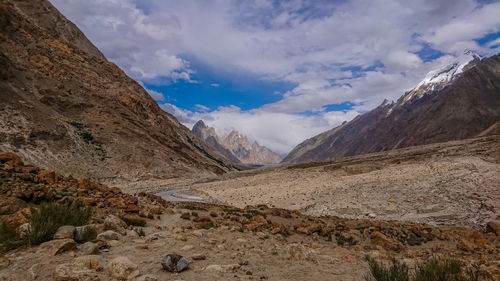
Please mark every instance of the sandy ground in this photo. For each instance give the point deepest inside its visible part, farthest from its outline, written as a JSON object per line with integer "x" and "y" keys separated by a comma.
{"x": 452, "y": 184}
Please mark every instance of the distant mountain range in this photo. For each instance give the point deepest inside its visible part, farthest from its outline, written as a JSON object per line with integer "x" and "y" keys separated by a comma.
{"x": 454, "y": 102}
{"x": 236, "y": 147}
{"x": 64, "y": 107}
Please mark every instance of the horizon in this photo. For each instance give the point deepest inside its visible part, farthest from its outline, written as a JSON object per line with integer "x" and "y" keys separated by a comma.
{"x": 284, "y": 71}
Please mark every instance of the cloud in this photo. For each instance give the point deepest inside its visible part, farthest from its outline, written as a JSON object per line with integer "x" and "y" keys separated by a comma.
{"x": 358, "y": 51}
{"x": 278, "y": 131}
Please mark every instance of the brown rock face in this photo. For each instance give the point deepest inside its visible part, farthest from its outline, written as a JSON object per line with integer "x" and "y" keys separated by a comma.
{"x": 236, "y": 147}
{"x": 64, "y": 107}
{"x": 459, "y": 109}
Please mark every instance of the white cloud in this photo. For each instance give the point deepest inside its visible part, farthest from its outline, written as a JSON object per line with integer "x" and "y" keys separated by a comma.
{"x": 361, "y": 51}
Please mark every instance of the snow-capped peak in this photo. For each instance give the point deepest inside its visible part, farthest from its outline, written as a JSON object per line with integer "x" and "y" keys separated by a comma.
{"x": 436, "y": 79}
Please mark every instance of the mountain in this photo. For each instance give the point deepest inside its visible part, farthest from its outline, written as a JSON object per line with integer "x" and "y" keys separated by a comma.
{"x": 64, "y": 107}
{"x": 236, "y": 147}
{"x": 455, "y": 102}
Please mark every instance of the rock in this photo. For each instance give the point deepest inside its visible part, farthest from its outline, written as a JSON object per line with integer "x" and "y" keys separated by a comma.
{"x": 122, "y": 268}
{"x": 174, "y": 263}
{"x": 371, "y": 215}
{"x": 65, "y": 232}
{"x": 148, "y": 277}
{"x": 89, "y": 248}
{"x": 67, "y": 272}
{"x": 309, "y": 229}
{"x": 378, "y": 238}
{"x": 24, "y": 229}
{"x": 494, "y": 227}
{"x": 114, "y": 223}
{"x": 108, "y": 235}
{"x": 56, "y": 247}
{"x": 187, "y": 248}
{"x": 132, "y": 233}
{"x": 114, "y": 243}
{"x": 227, "y": 268}
{"x": 85, "y": 233}
{"x": 198, "y": 257}
{"x": 89, "y": 262}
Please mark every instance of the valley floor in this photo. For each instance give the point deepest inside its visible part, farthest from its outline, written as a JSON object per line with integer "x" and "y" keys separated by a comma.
{"x": 454, "y": 183}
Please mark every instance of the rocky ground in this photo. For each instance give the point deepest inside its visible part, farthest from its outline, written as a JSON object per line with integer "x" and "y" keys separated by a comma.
{"x": 217, "y": 242}
{"x": 454, "y": 183}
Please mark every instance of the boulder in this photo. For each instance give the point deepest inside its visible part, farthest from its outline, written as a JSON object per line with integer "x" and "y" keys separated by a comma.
{"x": 122, "y": 268}
{"x": 56, "y": 247}
{"x": 65, "y": 232}
{"x": 114, "y": 223}
{"x": 68, "y": 272}
{"x": 108, "y": 235}
{"x": 85, "y": 233}
{"x": 89, "y": 248}
{"x": 379, "y": 239}
{"x": 494, "y": 227}
{"x": 93, "y": 262}
{"x": 174, "y": 263}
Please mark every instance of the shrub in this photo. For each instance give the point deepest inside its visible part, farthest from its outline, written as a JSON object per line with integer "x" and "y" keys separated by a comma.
{"x": 50, "y": 216}
{"x": 186, "y": 216}
{"x": 86, "y": 136}
{"x": 434, "y": 269}
{"x": 9, "y": 239}
{"x": 342, "y": 240}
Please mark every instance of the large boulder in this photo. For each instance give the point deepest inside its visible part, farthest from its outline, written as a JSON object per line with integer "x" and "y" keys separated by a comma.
{"x": 65, "y": 232}
{"x": 85, "y": 233}
{"x": 56, "y": 247}
{"x": 114, "y": 223}
{"x": 122, "y": 268}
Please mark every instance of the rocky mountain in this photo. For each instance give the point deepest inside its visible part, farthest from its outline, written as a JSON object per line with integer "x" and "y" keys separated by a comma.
{"x": 64, "y": 107}
{"x": 236, "y": 147}
{"x": 455, "y": 102}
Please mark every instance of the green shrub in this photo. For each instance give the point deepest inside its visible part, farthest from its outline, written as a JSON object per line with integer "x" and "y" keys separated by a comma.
{"x": 50, "y": 216}
{"x": 186, "y": 216}
{"x": 86, "y": 136}
{"x": 434, "y": 269}
{"x": 9, "y": 239}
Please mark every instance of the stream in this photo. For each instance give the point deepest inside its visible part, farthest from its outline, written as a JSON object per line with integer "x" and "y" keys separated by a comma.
{"x": 180, "y": 194}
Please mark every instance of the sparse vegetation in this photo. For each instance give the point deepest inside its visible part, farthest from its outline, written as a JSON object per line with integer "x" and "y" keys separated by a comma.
{"x": 434, "y": 269}
{"x": 9, "y": 239}
{"x": 134, "y": 221}
{"x": 86, "y": 136}
{"x": 50, "y": 216}
{"x": 342, "y": 240}
{"x": 185, "y": 216}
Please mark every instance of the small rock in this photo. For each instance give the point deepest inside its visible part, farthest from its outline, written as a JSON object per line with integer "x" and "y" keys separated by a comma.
{"x": 174, "y": 263}
{"x": 108, "y": 235}
{"x": 371, "y": 215}
{"x": 85, "y": 233}
{"x": 198, "y": 257}
{"x": 89, "y": 262}
{"x": 24, "y": 229}
{"x": 67, "y": 272}
{"x": 223, "y": 268}
{"x": 214, "y": 268}
{"x": 187, "y": 248}
{"x": 114, "y": 223}
{"x": 56, "y": 247}
{"x": 114, "y": 243}
{"x": 132, "y": 233}
{"x": 89, "y": 248}
{"x": 122, "y": 268}
{"x": 148, "y": 277}
{"x": 65, "y": 232}
{"x": 494, "y": 227}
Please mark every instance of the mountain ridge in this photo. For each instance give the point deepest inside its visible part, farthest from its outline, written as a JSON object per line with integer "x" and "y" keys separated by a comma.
{"x": 458, "y": 107}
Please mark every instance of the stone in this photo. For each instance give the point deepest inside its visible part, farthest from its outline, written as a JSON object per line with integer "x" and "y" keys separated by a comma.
{"x": 24, "y": 229}
{"x": 65, "y": 232}
{"x": 89, "y": 248}
{"x": 174, "y": 263}
{"x": 494, "y": 227}
{"x": 187, "y": 248}
{"x": 85, "y": 233}
{"x": 379, "y": 239}
{"x": 93, "y": 262}
{"x": 67, "y": 272}
{"x": 227, "y": 268}
{"x": 132, "y": 233}
{"x": 114, "y": 223}
{"x": 108, "y": 235}
{"x": 56, "y": 247}
{"x": 148, "y": 277}
{"x": 309, "y": 229}
{"x": 122, "y": 268}
{"x": 198, "y": 257}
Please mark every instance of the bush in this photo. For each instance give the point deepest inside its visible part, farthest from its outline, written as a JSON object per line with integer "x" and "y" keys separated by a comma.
{"x": 50, "y": 216}
{"x": 434, "y": 269}
{"x": 9, "y": 239}
{"x": 134, "y": 221}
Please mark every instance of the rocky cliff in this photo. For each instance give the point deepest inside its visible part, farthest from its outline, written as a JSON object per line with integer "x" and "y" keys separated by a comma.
{"x": 64, "y": 107}
{"x": 454, "y": 102}
{"x": 235, "y": 146}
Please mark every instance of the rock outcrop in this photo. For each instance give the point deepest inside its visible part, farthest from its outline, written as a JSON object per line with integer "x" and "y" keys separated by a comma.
{"x": 64, "y": 107}
{"x": 235, "y": 146}
{"x": 456, "y": 102}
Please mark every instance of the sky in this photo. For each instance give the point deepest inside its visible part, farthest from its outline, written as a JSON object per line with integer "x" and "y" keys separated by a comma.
{"x": 282, "y": 71}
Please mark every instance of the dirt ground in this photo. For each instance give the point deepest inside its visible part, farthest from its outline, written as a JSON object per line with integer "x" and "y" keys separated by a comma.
{"x": 456, "y": 183}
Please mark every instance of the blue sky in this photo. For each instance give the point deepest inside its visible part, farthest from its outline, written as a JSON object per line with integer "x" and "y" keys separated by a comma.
{"x": 282, "y": 71}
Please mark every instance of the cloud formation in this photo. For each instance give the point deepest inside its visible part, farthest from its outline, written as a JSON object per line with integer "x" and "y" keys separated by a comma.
{"x": 358, "y": 51}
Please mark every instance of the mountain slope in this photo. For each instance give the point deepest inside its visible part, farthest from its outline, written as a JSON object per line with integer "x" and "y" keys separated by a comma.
{"x": 455, "y": 102}
{"x": 236, "y": 147}
{"x": 64, "y": 107}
